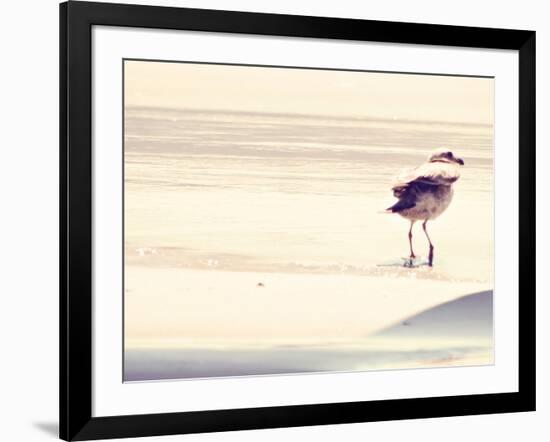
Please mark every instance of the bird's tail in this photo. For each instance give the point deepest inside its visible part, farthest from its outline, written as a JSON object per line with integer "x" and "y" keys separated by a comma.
{"x": 394, "y": 208}
{"x": 400, "y": 206}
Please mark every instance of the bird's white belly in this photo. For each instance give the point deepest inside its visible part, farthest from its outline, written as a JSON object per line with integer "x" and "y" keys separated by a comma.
{"x": 430, "y": 205}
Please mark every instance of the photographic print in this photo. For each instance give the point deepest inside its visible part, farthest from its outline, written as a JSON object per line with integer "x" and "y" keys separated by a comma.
{"x": 282, "y": 220}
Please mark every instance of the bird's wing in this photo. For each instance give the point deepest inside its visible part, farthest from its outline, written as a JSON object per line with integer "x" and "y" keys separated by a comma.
{"x": 430, "y": 174}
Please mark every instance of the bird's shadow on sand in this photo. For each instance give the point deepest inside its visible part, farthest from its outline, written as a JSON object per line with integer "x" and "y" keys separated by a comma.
{"x": 49, "y": 428}
{"x": 408, "y": 263}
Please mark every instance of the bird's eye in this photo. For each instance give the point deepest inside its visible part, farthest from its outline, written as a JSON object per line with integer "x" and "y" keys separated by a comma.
{"x": 449, "y": 154}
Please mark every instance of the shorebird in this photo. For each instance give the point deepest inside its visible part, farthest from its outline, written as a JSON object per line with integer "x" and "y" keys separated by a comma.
{"x": 425, "y": 192}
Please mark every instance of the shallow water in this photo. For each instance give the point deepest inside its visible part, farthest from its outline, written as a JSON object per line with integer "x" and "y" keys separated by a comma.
{"x": 291, "y": 193}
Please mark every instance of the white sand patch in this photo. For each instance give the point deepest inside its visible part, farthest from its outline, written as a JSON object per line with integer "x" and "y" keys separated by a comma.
{"x": 186, "y": 308}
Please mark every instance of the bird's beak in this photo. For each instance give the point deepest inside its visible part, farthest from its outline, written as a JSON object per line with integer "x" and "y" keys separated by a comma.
{"x": 460, "y": 161}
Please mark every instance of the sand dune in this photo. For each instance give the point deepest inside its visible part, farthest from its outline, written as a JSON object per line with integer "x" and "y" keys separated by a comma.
{"x": 467, "y": 317}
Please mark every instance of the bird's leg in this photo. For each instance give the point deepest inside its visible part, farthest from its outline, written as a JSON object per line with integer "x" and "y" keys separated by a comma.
{"x": 412, "y": 256}
{"x": 431, "y": 255}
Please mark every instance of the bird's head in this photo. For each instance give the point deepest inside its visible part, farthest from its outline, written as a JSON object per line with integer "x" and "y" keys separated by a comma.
{"x": 444, "y": 156}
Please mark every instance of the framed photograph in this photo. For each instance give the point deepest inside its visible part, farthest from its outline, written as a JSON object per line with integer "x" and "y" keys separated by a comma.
{"x": 273, "y": 220}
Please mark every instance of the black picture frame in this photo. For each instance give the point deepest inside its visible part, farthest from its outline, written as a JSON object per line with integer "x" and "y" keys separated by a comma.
{"x": 76, "y": 21}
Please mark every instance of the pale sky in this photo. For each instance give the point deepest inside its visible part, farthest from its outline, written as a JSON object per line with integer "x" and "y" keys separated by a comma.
{"x": 306, "y": 91}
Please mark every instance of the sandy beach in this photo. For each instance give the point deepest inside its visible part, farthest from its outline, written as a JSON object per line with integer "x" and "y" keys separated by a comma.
{"x": 256, "y": 240}
{"x": 286, "y": 309}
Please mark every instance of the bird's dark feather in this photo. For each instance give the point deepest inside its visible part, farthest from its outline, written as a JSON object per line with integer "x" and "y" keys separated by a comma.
{"x": 408, "y": 193}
